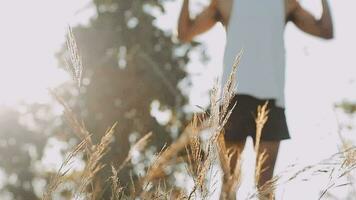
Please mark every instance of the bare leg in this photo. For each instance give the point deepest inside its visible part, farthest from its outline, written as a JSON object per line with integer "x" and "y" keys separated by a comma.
{"x": 271, "y": 151}
{"x": 236, "y": 149}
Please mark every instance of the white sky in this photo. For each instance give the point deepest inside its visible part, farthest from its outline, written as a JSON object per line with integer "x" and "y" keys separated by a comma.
{"x": 31, "y": 32}
{"x": 319, "y": 73}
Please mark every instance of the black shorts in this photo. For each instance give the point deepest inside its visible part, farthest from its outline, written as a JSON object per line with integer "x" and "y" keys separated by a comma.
{"x": 241, "y": 123}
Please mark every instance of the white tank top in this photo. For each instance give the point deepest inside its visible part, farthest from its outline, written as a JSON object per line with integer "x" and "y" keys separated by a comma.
{"x": 257, "y": 27}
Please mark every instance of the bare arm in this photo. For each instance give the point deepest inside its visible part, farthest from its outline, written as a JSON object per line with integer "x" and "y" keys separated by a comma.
{"x": 188, "y": 28}
{"x": 322, "y": 27}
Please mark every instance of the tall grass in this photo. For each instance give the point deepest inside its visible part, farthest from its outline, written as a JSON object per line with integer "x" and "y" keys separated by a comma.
{"x": 199, "y": 160}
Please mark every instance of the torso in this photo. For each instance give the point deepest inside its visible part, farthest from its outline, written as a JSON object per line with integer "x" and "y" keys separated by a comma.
{"x": 224, "y": 9}
{"x": 257, "y": 27}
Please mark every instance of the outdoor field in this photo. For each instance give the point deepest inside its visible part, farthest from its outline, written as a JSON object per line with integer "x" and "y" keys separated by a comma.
{"x": 126, "y": 99}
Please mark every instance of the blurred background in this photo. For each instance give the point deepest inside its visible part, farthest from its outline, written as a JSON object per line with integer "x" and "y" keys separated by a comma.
{"x": 138, "y": 74}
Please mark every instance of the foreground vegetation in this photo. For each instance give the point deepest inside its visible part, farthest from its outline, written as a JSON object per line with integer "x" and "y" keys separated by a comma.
{"x": 199, "y": 157}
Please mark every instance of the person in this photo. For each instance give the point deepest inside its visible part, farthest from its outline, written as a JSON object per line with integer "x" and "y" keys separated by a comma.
{"x": 257, "y": 27}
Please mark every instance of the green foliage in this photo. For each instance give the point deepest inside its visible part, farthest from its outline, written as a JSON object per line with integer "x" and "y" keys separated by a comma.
{"x": 347, "y": 107}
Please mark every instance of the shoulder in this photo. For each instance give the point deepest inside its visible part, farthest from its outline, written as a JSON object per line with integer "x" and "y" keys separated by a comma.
{"x": 213, "y": 5}
{"x": 214, "y": 10}
{"x": 292, "y": 6}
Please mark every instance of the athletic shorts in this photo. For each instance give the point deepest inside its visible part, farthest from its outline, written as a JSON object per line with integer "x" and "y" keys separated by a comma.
{"x": 241, "y": 123}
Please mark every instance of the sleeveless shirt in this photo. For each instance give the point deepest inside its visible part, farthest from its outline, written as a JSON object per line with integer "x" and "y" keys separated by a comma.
{"x": 257, "y": 27}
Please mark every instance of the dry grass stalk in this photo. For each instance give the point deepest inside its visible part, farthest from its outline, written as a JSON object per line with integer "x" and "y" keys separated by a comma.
{"x": 72, "y": 119}
{"x": 116, "y": 190}
{"x": 347, "y": 165}
{"x": 93, "y": 165}
{"x": 216, "y": 121}
{"x": 221, "y": 113}
{"x": 93, "y": 152}
{"x": 59, "y": 177}
{"x": 138, "y": 146}
{"x": 220, "y": 107}
{"x": 155, "y": 171}
{"x": 223, "y": 155}
{"x": 166, "y": 154}
{"x": 214, "y": 118}
{"x": 260, "y": 160}
{"x": 350, "y": 156}
{"x": 337, "y": 166}
{"x": 75, "y": 65}
{"x": 176, "y": 193}
{"x": 261, "y": 119}
{"x": 162, "y": 191}
{"x": 198, "y": 163}
{"x": 229, "y": 88}
{"x": 231, "y": 177}
{"x": 266, "y": 191}
{"x": 219, "y": 117}
{"x": 77, "y": 71}
{"x": 350, "y": 160}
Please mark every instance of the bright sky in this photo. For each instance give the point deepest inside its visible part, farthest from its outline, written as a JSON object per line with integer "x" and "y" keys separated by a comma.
{"x": 31, "y": 32}
{"x": 319, "y": 73}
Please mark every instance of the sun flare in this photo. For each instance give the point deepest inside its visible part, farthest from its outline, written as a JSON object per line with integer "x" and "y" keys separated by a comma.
{"x": 29, "y": 41}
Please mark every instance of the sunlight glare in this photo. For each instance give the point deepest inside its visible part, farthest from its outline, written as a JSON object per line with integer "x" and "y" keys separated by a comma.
{"x": 32, "y": 32}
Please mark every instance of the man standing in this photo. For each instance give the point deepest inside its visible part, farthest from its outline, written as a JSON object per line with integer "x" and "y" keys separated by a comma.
{"x": 257, "y": 26}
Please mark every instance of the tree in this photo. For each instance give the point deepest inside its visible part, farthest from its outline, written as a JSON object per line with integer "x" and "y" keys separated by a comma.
{"x": 23, "y": 139}
{"x": 129, "y": 63}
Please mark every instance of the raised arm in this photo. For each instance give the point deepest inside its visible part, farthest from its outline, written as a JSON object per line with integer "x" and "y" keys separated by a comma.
{"x": 322, "y": 27}
{"x": 188, "y": 28}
